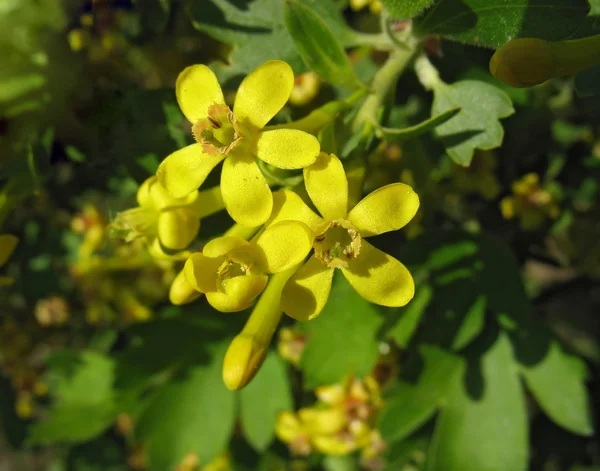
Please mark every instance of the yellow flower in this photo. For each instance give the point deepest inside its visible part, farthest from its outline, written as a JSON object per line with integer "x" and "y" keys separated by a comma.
{"x": 232, "y": 272}
{"x": 339, "y": 240}
{"x": 306, "y": 87}
{"x": 291, "y": 344}
{"x": 374, "y": 5}
{"x": 530, "y": 202}
{"x": 164, "y": 221}
{"x": 8, "y": 243}
{"x": 238, "y": 137}
{"x": 479, "y": 177}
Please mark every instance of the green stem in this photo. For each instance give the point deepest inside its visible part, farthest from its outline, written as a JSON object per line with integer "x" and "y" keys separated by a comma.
{"x": 427, "y": 73}
{"x": 266, "y": 314}
{"x": 574, "y": 56}
{"x": 383, "y": 85}
{"x": 237, "y": 230}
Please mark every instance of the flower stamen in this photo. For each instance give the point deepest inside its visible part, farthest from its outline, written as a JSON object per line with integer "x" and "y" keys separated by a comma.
{"x": 338, "y": 243}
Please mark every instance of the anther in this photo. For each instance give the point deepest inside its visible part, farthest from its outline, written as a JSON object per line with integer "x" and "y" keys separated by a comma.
{"x": 215, "y": 122}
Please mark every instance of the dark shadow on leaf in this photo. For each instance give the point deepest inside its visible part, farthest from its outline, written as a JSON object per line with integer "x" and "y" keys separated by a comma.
{"x": 206, "y": 16}
{"x": 452, "y": 140}
{"x": 448, "y": 17}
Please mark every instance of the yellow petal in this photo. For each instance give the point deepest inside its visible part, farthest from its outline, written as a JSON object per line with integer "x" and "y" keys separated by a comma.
{"x": 287, "y": 148}
{"x": 201, "y": 272}
{"x": 288, "y": 206}
{"x": 143, "y": 193}
{"x": 386, "y": 209}
{"x": 186, "y": 169}
{"x": 327, "y": 186}
{"x": 208, "y": 202}
{"x": 323, "y": 421}
{"x": 162, "y": 199}
{"x": 263, "y": 93}
{"x": 223, "y": 245}
{"x": 245, "y": 191}
{"x": 197, "y": 88}
{"x": 177, "y": 227}
{"x": 333, "y": 445}
{"x": 287, "y": 427}
{"x": 379, "y": 277}
{"x": 181, "y": 292}
{"x": 8, "y": 243}
{"x": 285, "y": 244}
{"x": 239, "y": 293}
{"x": 306, "y": 293}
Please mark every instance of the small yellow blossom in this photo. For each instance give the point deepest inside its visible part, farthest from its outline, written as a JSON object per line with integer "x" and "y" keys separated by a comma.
{"x": 232, "y": 272}
{"x": 374, "y": 5}
{"x": 479, "y": 177}
{"x": 530, "y": 202}
{"x": 164, "y": 221}
{"x": 341, "y": 421}
{"x": 238, "y": 137}
{"x": 306, "y": 88}
{"x": 8, "y": 243}
{"x": 339, "y": 240}
{"x": 91, "y": 223}
{"x": 52, "y": 311}
{"x": 291, "y": 344}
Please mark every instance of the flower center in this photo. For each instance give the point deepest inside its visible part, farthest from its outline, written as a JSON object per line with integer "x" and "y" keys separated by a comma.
{"x": 338, "y": 242}
{"x": 218, "y": 132}
{"x": 229, "y": 269}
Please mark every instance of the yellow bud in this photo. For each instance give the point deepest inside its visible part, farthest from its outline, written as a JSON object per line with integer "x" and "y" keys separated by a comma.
{"x": 181, "y": 291}
{"x": 244, "y": 357}
{"x": 177, "y": 227}
{"x": 524, "y": 62}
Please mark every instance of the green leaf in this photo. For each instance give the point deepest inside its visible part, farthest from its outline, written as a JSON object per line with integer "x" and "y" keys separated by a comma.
{"x": 419, "y": 393}
{"x": 86, "y": 402}
{"x": 403, "y": 9}
{"x": 261, "y": 401}
{"x": 492, "y": 24}
{"x": 472, "y": 324}
{"x": 392, "y": 134}
{"x": 555, "y": 377}
{"x": 191, "y": 414}
{"x": 594, "y": 7}
{"x": 477, "y": 124}
{"x": 410, "y": 316}
{"x": 483, "y": 426}
{"x": 587, "y": 83}
{"x": 256, "y": 31}
{"x": 342, "y": 339}
{"x": 318, "y": 46}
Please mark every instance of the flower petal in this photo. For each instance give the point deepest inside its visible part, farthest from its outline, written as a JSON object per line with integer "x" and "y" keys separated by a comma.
{"x": 197, "y": 88}
{"x": 379, "y": 277}
{"x": 287, "y": 148}
{"x": 305, "y": 294}
{"x": 239, "y": 293}
{"x": 223, "y": 245}
{"x": 201, "y": 272}
{"x": 327, "y": 186}
{"x": 8, "y": 243}
{"x": 181, "y": 292}
{"x": 288, "y": 206}
{"x": 285, "y": 244}
{"x": 386, "y": 209}
{"x": 186, "y": 169}
{"x": 263, "y": 93}
{"x": 177, "y": 227}
{"x": 143, "y": 194}
{"x": 245, "y": 191}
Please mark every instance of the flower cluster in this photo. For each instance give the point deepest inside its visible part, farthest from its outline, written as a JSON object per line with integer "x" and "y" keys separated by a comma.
{"x": 339, "y": 423}
{"x": 531, "y": 203}
{"x": 280, "y": 251}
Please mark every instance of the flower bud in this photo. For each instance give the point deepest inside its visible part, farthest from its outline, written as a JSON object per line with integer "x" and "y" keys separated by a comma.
{"x": 524, "y": 62}
{"x": 181, "y": 292}
{"x": 244, "y": 357}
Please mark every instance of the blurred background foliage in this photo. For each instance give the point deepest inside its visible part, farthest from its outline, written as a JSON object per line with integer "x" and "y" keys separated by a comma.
{"x": 494, "y": 366}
